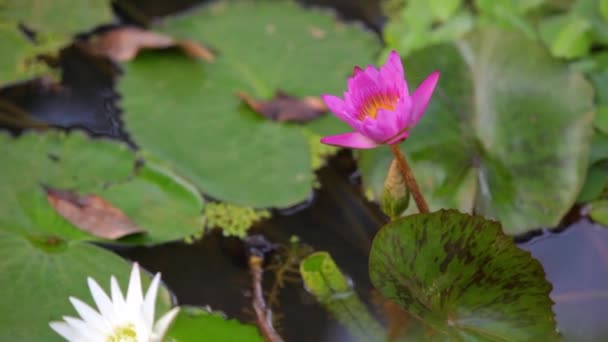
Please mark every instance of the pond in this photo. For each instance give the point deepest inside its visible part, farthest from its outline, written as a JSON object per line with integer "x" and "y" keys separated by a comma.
{"x": 201, "y": 127}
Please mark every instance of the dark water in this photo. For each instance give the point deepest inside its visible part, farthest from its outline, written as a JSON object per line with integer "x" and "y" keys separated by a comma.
{"x": 338, "y": 220}
{"x": 213, "y": 271}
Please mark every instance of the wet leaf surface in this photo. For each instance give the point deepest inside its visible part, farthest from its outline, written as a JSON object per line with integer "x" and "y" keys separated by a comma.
{"x": 498, "y": 138}
{"x": 463, "y": 277}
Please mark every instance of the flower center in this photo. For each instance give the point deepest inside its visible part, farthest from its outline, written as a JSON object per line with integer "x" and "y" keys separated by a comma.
{"x": 125, "y": 333}
{"x": 374, "y": 103}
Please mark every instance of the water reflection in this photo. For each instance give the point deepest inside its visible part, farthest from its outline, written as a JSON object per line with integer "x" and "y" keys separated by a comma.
{"x": 576, "y": 263}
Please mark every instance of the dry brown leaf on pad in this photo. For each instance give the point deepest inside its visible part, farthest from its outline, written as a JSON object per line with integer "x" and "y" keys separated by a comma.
{"x": 286, "y": 108}
{"x": 124, "y": 43}
{"x": 92, "y": 214}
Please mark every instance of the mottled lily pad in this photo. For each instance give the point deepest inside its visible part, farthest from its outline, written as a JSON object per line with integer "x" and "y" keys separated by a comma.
{"x": 507, "y": 133}
{"x": 187, "y": 113}
{"x": 463, "y": 277}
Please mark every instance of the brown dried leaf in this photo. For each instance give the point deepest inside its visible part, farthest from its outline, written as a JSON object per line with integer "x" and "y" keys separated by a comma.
{"x": 92, "y": 214}
{"x": 286, "y": 108}
{"x": 123, "y": 44}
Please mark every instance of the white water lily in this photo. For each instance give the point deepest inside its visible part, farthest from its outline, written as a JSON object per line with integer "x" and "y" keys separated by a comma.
{"x": 119, "y": 319}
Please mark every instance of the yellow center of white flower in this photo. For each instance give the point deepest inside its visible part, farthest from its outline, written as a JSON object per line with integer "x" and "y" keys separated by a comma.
{"x": 125, "y": 333}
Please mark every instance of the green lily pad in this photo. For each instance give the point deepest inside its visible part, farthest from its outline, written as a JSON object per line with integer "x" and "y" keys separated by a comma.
{"x": 601, "y": 120}
{"x": 154, "y": 198}
{"x": 567, "y": 36}
{"x": 603, "y": 4}
{"x": 17, "y": 60}
{"x": 463, "y": 277}
{"x": 159, "y": 201}
{"x": 507, "y": 14}
{"x": 57, "y": 17}
{"x": 596, "y": 183}
{"x": 323, "y": 279}
{"x": 599, "y": 212}
{"x": 591, "y": 10}
{"x": 422, "y": 23}
{"x": 55, "y": 23}
{"x": 599, "y": 148}
{"x": 196, "y": 324}
{"x": 203, "y": 130}
{"x": 507, "y": 132}
{"x": 38, "y": 274}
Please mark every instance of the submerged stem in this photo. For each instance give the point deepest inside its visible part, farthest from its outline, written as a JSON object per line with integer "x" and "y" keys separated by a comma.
{"x": 263, "y": 314}
{"x": 408, "y": 176}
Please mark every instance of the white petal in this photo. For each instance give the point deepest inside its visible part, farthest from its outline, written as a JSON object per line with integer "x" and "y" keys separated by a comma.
{"x": 135, "y": 296}
{"x": 91, "y": 317}
{"x": 103, "y": 302}
{"x": 84, "y": 330}
{"x": 66, "y": 331}
{"x": 117, "y": 298}
{"x": 162, "y": 325}
{"x": 150, "y": 300}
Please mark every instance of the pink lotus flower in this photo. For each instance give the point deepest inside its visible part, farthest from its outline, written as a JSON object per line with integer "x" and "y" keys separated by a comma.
{"x": 378, "y": 105}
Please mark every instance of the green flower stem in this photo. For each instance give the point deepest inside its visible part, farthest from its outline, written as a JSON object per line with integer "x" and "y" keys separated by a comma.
{"x": 410, "y": 181}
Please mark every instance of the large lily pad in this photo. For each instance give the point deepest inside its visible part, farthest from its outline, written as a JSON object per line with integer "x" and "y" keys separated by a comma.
{"x": 196, "y": 324}
{"x": 463, "y": 277}
{"x": 38, "y": 273}
{"x": 507, "y": 133}
{"x": 154, "y": 198}
{"x": 186, "y": 112}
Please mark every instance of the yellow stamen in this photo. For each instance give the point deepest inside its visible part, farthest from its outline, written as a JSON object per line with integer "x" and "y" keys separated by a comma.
{"x": 125, "y": 333}
{"x": 374, "y": 104}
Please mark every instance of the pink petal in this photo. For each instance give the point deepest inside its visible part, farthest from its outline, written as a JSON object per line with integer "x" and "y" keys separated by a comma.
{"x": 373, "y": 73}
{"x": 403, "y": 112}
{"x": 393, "y": 75}
{"x": 422, "y": 95}
{"x": 372, "y": 131}
{"x": 360, "y": 87}
{"x": 386, "y": 125}
{"x": 337, "y": 106}
{"x": 351, "y": 139}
